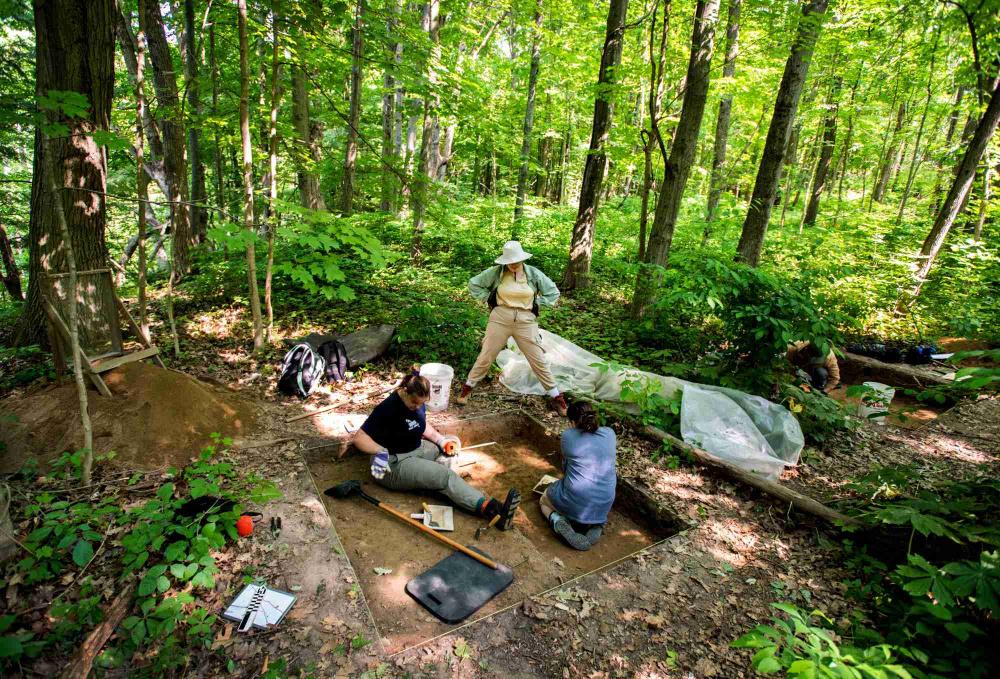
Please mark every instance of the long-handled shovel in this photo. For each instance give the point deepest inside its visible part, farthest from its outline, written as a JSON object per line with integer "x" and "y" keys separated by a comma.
{"x": 349, "y": 488}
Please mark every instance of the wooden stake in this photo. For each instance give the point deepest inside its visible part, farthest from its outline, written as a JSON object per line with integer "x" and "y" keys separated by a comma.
{"x": 316, "y": 412}
{"x": 79, "y": 668}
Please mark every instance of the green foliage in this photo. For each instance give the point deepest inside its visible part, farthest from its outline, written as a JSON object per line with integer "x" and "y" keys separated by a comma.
{"x": 761, "y": 313}
{"x": 819, "y": 415}
{"x": 171, "y": 554}
{"x": 805, "y": 646}
{"x": 443, "y": 332}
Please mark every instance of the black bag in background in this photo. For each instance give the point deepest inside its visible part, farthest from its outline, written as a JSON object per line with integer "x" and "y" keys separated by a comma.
{"x": 335, "y": 355}
{"x": 301, "y": 370}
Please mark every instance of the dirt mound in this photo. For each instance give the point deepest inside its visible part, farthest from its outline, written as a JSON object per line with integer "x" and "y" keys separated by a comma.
{"x": 156, "y": 418}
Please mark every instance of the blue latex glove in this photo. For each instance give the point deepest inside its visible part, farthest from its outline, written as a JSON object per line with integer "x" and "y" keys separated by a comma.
{"x": 380, "y": 464}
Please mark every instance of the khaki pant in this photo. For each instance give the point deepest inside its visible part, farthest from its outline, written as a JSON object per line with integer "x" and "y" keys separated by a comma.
{"x": 426, "y": 469}
{"x": 522, "y": 325}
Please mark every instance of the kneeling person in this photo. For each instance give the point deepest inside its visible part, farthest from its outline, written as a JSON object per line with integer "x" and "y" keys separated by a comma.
{"x": 577, "y": 505}
{"x": 408, "y": 454}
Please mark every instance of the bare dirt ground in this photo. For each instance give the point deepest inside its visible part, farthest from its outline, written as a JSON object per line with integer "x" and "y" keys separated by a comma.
{"x": 671, "y": 611}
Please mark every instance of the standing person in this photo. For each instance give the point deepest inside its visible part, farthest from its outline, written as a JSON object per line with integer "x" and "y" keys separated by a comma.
{"x": 821, "y": 372}
{"x": 514, "y": 291}
{"x": 577, "y": 505}
{"x": 408, "y": 453}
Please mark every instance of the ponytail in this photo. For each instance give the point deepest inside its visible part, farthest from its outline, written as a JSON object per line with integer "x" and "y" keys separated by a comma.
{"x": 583, "y": 416}
{"x": 415, "y": 385}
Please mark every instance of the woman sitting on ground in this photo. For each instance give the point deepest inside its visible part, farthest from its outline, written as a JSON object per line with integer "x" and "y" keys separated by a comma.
{"x": 577, "y": 505}
{"x": 408, "y": 454}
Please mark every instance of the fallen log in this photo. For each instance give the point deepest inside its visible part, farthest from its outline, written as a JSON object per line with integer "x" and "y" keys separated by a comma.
{"x": 796, "y": 499}
{"x": 893, "y": 374}
{"x": 79, "y": 668}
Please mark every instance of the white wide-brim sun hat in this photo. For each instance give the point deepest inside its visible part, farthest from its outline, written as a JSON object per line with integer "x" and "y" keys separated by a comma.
{"x": 512, "y": 253}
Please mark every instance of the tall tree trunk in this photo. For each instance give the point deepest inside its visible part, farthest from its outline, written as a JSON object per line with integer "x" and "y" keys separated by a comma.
{"x": 272, "y": 209}
{"x": 787, "y": 102}
{"x": 564, "y": 159}
{"x": 199, "y": 215}
{"x": 72, "y": 302}
{"x": 140, "y": 178}
{"x": 74, "y": 52}
{"x": 977, "y": 232}
{"x": 172, "y": 129}
{"x": 845, "y": 151}
{"x": 582, "y": 244}
{"x": 914, "y": 162}
{"x": 677, "y": 169}
{"x": 153, "y": 162}
{"x": 964, "y": 177}
{"x": 11, "y": 275}
{"x": 529, "y": 113}
{"x": 248, "y": 213}
{"x": 825, "y": 153}
{"x": 307, "y": 133}
{"x": 949, "y": 135}
{"x": 428, "y": 145}
{"x": 722, "y": 122}
{"x": 220, "y": 193}
{"x": 390, "y": 147}
{"x": 651, "y": 139}
{"x": 892, "y": 159}
{"x": 354, "y": 116}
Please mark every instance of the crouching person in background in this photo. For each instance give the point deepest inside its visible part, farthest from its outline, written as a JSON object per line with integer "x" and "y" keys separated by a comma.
{"x": 577, "y": 505}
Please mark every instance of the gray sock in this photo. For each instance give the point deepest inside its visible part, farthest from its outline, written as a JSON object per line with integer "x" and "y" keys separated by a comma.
{"x": 572, "y": 538}
{"x": 594, "y": 534}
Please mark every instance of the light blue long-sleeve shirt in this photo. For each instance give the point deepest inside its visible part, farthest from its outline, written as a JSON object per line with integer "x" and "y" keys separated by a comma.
{"x": 482, "y": 285}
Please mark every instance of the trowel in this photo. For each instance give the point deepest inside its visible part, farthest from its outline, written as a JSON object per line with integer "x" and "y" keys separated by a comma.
{"x": 438, "y": 517}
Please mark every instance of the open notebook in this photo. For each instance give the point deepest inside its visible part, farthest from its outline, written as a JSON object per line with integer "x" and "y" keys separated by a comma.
{"x": 267, "y": 606}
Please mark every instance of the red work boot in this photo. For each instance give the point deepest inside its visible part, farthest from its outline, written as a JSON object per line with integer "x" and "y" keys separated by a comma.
{"x": 463, "y": 398}
{"x": 559, "y": 403}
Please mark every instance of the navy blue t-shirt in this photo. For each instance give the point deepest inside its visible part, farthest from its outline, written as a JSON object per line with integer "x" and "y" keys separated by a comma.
{"x": 395, "y": 427}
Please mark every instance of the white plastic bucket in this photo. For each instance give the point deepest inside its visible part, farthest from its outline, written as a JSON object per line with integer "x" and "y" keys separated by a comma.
{"x": 440, "y": 376}
{"x": 875, "y": 402}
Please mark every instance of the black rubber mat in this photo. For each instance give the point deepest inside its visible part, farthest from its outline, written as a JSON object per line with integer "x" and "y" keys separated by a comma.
{"x": 458, "y": 586}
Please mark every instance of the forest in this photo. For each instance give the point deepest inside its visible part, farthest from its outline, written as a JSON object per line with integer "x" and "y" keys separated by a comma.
{"x": 188, "y": 188}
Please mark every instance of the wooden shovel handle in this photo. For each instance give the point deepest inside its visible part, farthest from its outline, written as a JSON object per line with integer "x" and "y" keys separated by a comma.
{"x": 448, "y": 541}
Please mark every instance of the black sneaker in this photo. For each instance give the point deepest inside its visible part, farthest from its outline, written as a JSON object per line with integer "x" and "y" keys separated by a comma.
{"x": 509, "y": 508}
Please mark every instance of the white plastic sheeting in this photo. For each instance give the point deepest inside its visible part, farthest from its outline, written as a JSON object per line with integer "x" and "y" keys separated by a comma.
{"x": 745, "y": 430}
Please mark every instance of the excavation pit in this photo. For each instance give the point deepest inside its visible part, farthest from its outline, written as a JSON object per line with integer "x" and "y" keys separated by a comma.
{"x": 524, "y": 452}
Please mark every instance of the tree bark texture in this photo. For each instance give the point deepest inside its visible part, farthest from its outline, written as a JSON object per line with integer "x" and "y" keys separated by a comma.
{"x": 957, "y": 195}
{"x": 171, "y": 124}
{"x": 682, "y": 153}
{"x": 74, "y": 52}
{"x": 725, "y": 111}
{"x": 390, "y": 146}
{"x": 272, "y": 137}
{"x": 893, "y": 158}
{"x": 827, "y": 145}
{"x": 651, "y": 139}
{"x": 354, "y": 115}
{"x": 428, "y": 144}
{"x": 529, "y": 113}
{"x": 582, "y": 243}
{"x": 248, "y": 223}
{"x": 307, "y": 133}
{"x": 11, "y": 275}
{"x": 199, "y": 215}
{"x": 785, "y": 106}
